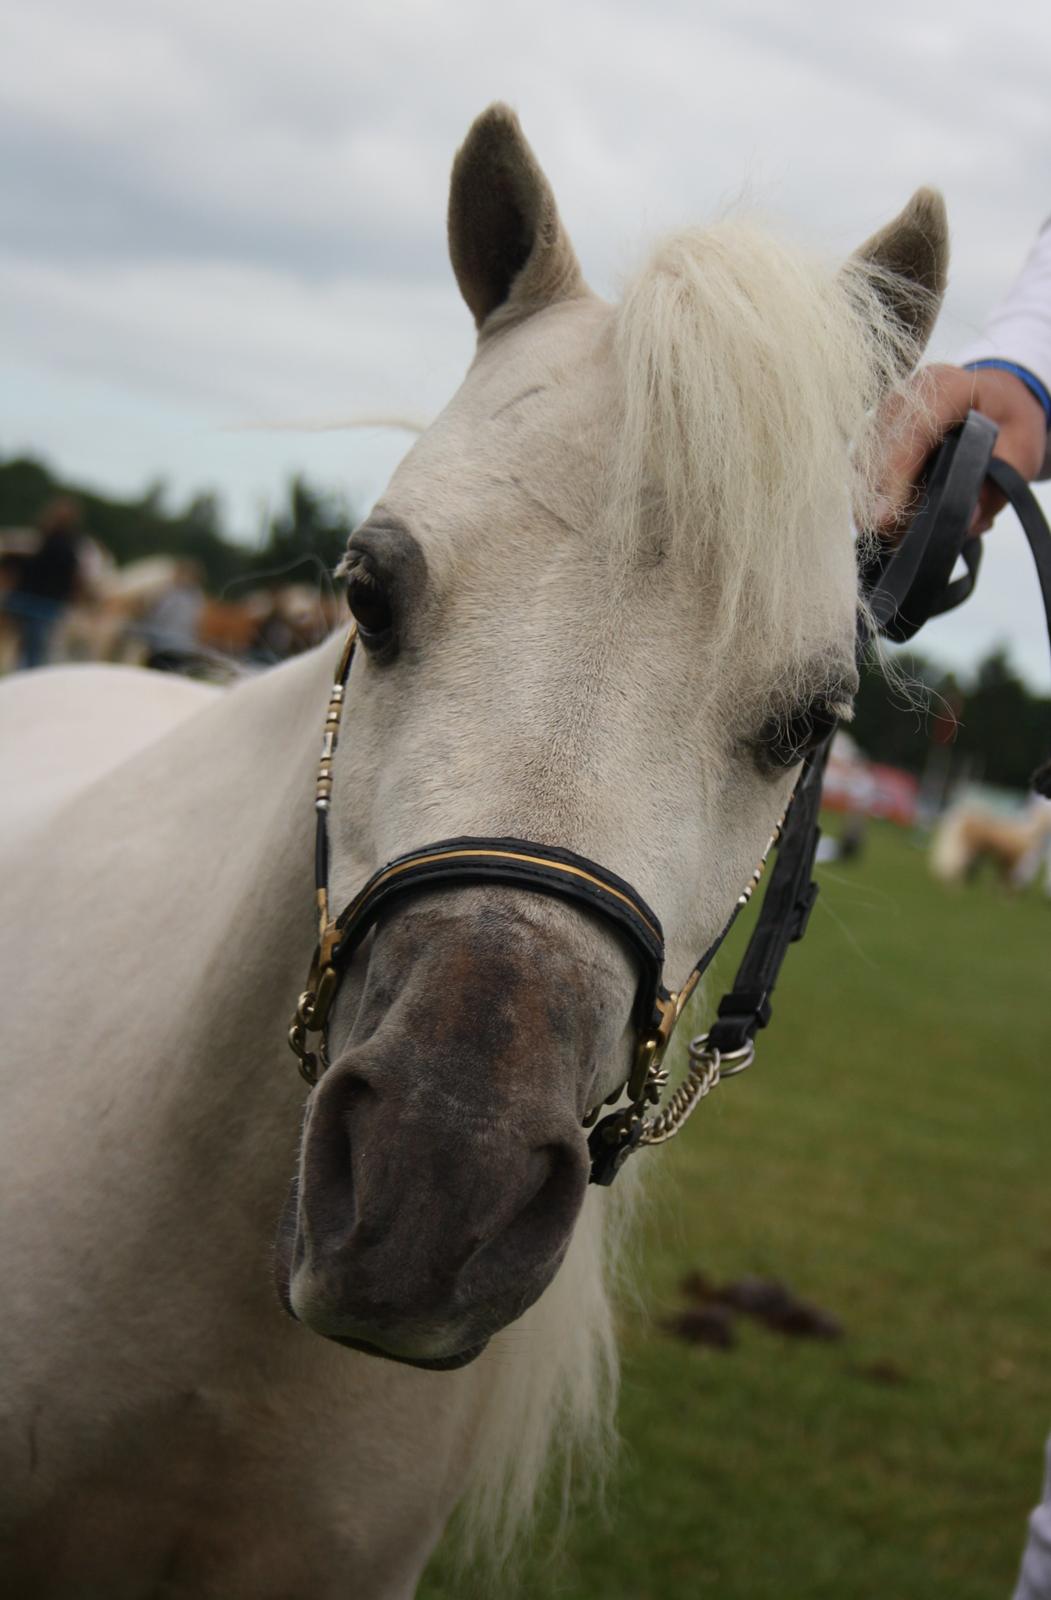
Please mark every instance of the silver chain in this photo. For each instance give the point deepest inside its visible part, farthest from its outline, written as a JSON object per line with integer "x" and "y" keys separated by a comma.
{"x": 708, "y": 1067}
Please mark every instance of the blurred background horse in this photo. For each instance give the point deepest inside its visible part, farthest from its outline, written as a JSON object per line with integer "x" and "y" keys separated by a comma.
{"x": 970, "y": 836}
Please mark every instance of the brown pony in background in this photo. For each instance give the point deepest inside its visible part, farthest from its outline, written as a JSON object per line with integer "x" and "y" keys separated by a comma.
{"x": 968, "y": 836}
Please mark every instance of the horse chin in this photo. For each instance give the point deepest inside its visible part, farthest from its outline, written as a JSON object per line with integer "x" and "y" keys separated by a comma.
{"x": 461, "y": 1358}
{"x": 425, "y": 1363}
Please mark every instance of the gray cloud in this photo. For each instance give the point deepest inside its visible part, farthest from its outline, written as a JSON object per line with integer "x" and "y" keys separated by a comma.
{"x": 320, "y": 144}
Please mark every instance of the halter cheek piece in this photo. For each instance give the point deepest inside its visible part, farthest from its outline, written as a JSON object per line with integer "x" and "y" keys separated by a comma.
{"x": 904, "y": 588}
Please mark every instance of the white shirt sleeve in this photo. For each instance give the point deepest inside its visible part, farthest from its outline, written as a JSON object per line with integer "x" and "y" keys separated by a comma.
{"x": 1019, "y": 327}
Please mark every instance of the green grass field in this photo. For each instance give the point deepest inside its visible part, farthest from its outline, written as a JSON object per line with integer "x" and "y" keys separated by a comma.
{"x": 889, "y": 1157}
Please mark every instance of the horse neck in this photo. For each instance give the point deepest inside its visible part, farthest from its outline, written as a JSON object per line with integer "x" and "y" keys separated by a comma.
{"x": 223, "y": 881}
{"x": 239, "y": 780}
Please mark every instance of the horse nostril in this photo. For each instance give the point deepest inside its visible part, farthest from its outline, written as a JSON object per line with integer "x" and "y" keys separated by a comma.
{"x": 555, "y": 1181}
{"x": 542, "y": 1165}
{"x": 339, "y": 1130}
{"x": 339, "y": 1098}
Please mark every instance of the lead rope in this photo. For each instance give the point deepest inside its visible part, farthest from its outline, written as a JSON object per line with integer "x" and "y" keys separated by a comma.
{"x": 1034, "y": 525}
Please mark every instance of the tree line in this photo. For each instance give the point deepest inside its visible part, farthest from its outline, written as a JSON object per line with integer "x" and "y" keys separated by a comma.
{"x": 306, "y": 535}
{"x": 989, "y": 720}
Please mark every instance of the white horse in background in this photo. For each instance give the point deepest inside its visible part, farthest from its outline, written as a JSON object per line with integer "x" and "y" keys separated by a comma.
{"x": 603, "y": 602}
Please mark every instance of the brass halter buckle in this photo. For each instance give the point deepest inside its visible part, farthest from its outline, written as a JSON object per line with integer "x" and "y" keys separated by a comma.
{"x": 297, "y": 1039}
{"x": 617, "y": 1135}
{"x": 315, "y": 1003}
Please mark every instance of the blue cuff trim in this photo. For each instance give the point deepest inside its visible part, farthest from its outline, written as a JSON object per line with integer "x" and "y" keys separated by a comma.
{"x": 1031, "y": 381}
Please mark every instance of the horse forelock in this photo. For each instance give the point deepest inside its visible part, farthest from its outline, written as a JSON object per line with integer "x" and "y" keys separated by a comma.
{"x": 751, "y": 375}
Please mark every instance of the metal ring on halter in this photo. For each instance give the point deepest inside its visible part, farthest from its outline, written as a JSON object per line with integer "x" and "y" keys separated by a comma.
{"x": 741, "y": 1059}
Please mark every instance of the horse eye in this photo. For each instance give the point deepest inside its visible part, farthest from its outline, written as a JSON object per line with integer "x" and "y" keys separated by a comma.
{"x": 369, "y": 606}
{"x": 788, "y": 737}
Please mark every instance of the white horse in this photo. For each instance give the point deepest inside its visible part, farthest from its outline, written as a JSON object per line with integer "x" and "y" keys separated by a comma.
{"x": 604, "y": 601}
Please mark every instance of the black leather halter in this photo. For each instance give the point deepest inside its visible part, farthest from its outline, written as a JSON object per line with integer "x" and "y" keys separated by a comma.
{"x": 904, "y": 588}
{"x": 524, "y": 864}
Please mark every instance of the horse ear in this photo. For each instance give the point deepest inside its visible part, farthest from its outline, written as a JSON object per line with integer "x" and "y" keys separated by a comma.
{"x": 507, "y": 244}
{"x": 911, "y": 260}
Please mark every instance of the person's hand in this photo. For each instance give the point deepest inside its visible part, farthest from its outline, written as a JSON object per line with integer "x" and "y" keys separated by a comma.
{"x": 946, "y": 395}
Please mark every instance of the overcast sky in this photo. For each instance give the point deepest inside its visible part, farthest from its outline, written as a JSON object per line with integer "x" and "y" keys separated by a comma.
{"x": 220, "y": 215}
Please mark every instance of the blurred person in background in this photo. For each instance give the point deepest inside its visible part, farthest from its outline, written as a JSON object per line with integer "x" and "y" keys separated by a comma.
{"x": 1005, "y": 374}
{"x": 276, "y": 638}
{"x": 47, "y": 580}
{"x": 171, "y": 627}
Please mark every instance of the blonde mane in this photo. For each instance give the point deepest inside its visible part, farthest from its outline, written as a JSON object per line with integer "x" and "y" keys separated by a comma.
{"x": 751, "y": 377}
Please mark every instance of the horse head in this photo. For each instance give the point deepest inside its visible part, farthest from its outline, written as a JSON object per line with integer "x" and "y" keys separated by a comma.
{"x": 607, "y": 602}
